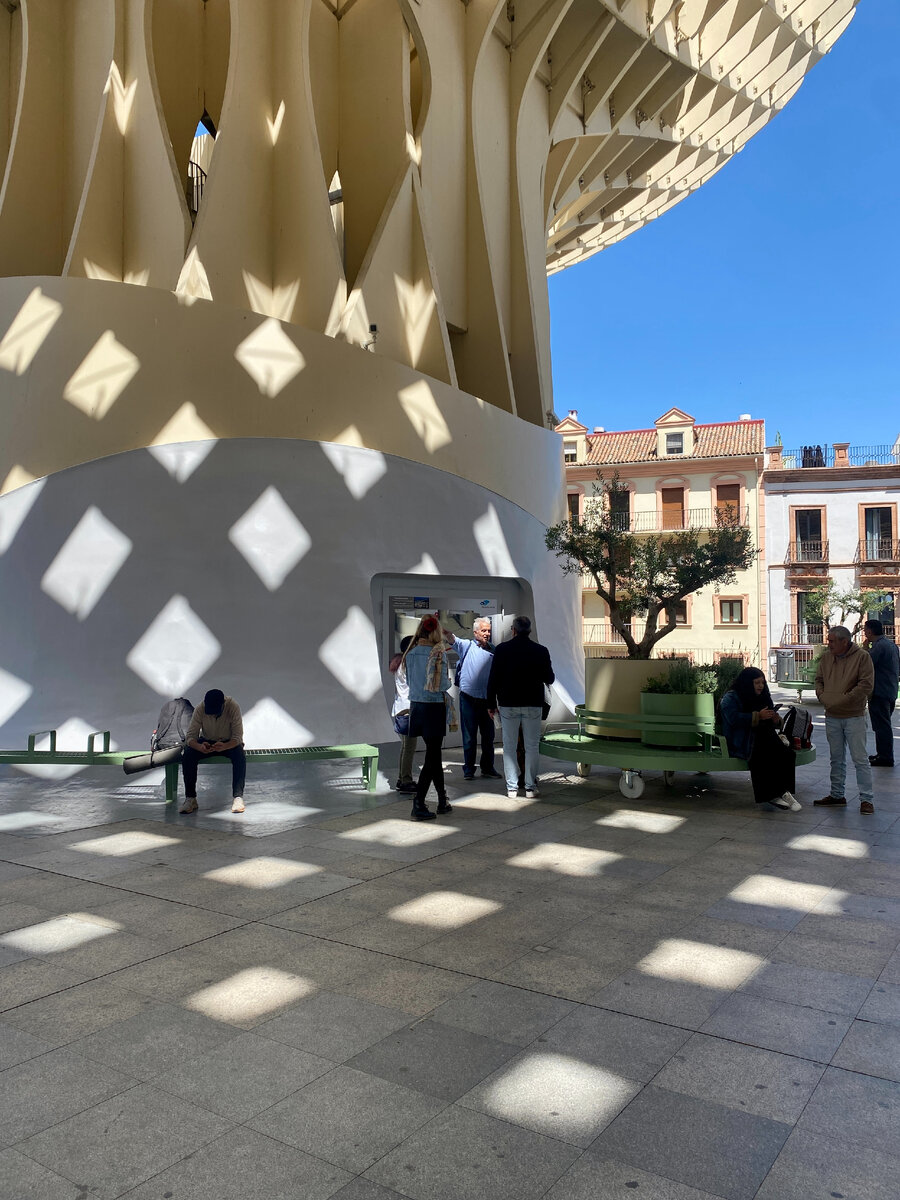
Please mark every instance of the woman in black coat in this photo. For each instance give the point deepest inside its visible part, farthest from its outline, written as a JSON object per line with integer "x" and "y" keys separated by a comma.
{"x": 750, "y": 724}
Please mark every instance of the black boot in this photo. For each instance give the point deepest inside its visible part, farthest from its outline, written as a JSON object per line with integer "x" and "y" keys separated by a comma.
{"x": 444, "y": 805}
{"x": 420, "y": 810}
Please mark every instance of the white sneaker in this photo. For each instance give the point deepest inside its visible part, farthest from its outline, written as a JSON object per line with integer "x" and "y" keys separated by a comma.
{"x": 532, "y": 793}
{"x": 793, "y": 803}
{"x": 513, "y": 795}
{"x": 237, "y": 804}
{"x": 780, "y": 802}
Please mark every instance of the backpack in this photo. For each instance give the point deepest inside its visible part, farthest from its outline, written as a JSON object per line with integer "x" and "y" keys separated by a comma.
{"x": 797, "y": 726}
{"x": 172, "y": 724}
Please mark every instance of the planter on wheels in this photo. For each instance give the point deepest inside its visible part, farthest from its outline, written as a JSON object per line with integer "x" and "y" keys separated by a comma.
{"x": 657, "y": 704}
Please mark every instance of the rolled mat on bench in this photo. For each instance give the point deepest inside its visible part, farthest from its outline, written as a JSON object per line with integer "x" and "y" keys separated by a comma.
{"x": 156, "y": 758}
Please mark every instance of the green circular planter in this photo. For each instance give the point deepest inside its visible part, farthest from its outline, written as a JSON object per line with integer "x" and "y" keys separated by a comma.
{"x": 655, "y": 704}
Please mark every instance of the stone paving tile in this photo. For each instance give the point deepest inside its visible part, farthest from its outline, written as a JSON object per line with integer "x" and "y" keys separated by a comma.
{"x": 556, "y": 974}
{"x": 673, "y": 1001}
{"x": 871, "y": 1049}
{"x": 811, "y": 1166}
{"x": 364, "y": 1189}
{"x": 141, "y": 1132}
{"x": 882, "y": 1005}
{"x": 854, "y": 1107}
{"x": 511, "y": 1014}
{"x": 334, "y": 1026}
{"x": 244, "y": 1164}
{"x": 465, "y": 1155}
{"x": 76, "y": 1012}
{"x": 745, "y": 1077}
{"x": 433, "y": 1058}
{"x": 23, "y": 1179}
{"x": 17, "y": 1047}
{"x": 697, "y": 1142}
{"x": 807, "y": 986}
{"x": 779, "y": 1026}
{"x": 43, "y": 1090}
{"x": 30, "y": 979}
{"x": 348, "y": 1117}
{"x": 621, "y": 1044}
{"x": 829, "y": 954}
{"x": 416, "y": 988}
{"x": 595, "y": 1177}
{"x": 240, "y": 1078}
{"x": 156, "y": 1039}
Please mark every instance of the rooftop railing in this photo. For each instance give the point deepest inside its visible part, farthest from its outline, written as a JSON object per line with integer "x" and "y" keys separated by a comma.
{"x": 824, "y": 456}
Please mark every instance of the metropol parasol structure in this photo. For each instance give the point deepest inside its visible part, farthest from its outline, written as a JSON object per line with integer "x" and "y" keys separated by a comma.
{"x": 268, "y": 391}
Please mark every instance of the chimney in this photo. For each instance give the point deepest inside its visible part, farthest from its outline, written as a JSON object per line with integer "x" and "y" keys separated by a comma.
{"x": 599, "y": 429}
{"x": 573, "y": 413}
{"x": 841, "y": 457}
{"x": 745, "y": 417}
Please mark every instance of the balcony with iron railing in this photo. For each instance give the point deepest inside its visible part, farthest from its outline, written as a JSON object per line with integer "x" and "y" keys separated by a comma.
{"x": 878, "y": 550}
{"x": 842, "y": 455}
{"x": 813, "y": 633}
{"x": 678, "y": 520}
{"x": 806, "y": 551}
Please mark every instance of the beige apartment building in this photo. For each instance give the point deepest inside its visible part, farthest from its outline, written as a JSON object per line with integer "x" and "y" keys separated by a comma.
{"x": 678, "y": 475}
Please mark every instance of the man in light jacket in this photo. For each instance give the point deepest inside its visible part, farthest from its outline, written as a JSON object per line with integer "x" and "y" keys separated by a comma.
{"x": 886, "y": 662}
{"x": 844, "y": 682}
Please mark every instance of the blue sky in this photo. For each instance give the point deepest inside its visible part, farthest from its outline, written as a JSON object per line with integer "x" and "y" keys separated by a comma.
{"x": 773, "y": 289}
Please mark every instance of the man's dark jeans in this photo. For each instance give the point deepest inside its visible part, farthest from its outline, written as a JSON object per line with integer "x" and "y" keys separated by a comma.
{"x": 192, "y": 757}
{"x": 474, "y": 719}
{"x": 880, "y": 709}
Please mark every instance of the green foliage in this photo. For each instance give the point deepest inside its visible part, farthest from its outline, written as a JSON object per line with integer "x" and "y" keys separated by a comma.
{"x": 835, "y": 606}
{"x": 684, "y": 679}
{"x": 647, "y": 576}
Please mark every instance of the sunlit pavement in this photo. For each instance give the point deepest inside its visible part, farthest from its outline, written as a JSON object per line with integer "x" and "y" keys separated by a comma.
{"x": 577, "y": 997}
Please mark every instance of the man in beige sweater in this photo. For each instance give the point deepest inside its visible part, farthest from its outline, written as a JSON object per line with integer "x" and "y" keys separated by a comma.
{"x": 216, "y": 728}
{"x": 844, "y": 682}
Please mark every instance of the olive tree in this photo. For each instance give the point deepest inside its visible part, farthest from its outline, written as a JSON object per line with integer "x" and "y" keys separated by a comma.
{"x": 647, "y": 575}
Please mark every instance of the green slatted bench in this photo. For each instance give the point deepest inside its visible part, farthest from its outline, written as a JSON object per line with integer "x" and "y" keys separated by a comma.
{"x": 90, "y": 757}
{"x": 597, "y": 739}
{"x": 368, "y": 755}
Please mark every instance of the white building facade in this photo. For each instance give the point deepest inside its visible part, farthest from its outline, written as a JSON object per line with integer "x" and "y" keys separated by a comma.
{"x": 831, "y": 514}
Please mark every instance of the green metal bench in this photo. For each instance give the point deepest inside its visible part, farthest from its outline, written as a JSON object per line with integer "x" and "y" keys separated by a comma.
{"x": 605, "y": 746}
{"x": 91, "y": 757}
{"x": 82, "y": 758}
{"x": 368, "y": 755}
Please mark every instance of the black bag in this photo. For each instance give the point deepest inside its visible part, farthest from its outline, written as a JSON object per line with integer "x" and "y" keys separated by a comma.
{"x": 172, "y": 724}
{"x": 156, "y": 758}
{"x": 796, "y": 726}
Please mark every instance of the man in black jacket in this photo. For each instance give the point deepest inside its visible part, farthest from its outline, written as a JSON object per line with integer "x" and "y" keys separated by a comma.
{"x": 519, "y": 671}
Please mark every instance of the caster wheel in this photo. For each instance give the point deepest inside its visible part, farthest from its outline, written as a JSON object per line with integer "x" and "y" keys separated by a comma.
{"x": 668, "y": 778}
{"x": 631, "y": 785}
{"x": 583, "y": 769}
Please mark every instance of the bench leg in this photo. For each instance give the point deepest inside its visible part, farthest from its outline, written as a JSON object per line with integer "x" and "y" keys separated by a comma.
{"x": 370, "y": 771}
{"x": 171, "y": 782}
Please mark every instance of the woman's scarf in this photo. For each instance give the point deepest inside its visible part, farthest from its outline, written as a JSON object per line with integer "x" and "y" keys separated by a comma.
{"x": 743, "y": 688}
{"x": 433, "y": 670}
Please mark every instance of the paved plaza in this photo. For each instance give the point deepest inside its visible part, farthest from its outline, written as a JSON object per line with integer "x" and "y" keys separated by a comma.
{"x": 579, "y": 997}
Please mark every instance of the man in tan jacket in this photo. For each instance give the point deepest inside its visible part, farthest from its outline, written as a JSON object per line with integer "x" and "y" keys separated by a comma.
{"x": 844, "y": 682}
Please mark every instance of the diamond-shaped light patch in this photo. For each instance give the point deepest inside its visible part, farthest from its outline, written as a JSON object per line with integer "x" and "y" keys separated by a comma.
{"x": 175, "y": 651}
{"x": 491, "y": 541}
{"x": 183, "y": 443}
{"x": 102, "y": 377}
{"x": 269, "y": 357}
{"x": 268, "y": 726}
{"x": 270, "y": 538}
{"x": 420, "y": 406}
{"x": 71, "y": 735}
{"x": 86, "y": 564}
{"x": 14, "y": 508}
{"x": 13, "y": 694}
{"x": 359, "y": 467}
{"x": 30, "y": 327}
{"x": 351, "y": 655}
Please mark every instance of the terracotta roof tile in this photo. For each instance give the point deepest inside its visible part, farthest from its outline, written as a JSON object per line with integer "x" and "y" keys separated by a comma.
{"x": 723, "y": 439}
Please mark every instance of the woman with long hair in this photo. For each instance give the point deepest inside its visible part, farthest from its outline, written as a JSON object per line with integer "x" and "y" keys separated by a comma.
{"x": 750, "y": 724}
{"x": 425, "y": 665}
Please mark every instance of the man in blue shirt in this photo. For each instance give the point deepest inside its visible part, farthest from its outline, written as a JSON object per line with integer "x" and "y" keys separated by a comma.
{"x": 886, "y": 661}
{"x": 472, "y": 673}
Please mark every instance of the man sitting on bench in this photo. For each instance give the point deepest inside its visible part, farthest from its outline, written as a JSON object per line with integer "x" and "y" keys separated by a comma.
{"x": 216, "y": 728}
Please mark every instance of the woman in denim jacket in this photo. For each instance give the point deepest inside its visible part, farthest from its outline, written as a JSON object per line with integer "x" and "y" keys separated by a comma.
{"x": 425, "y": 663}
